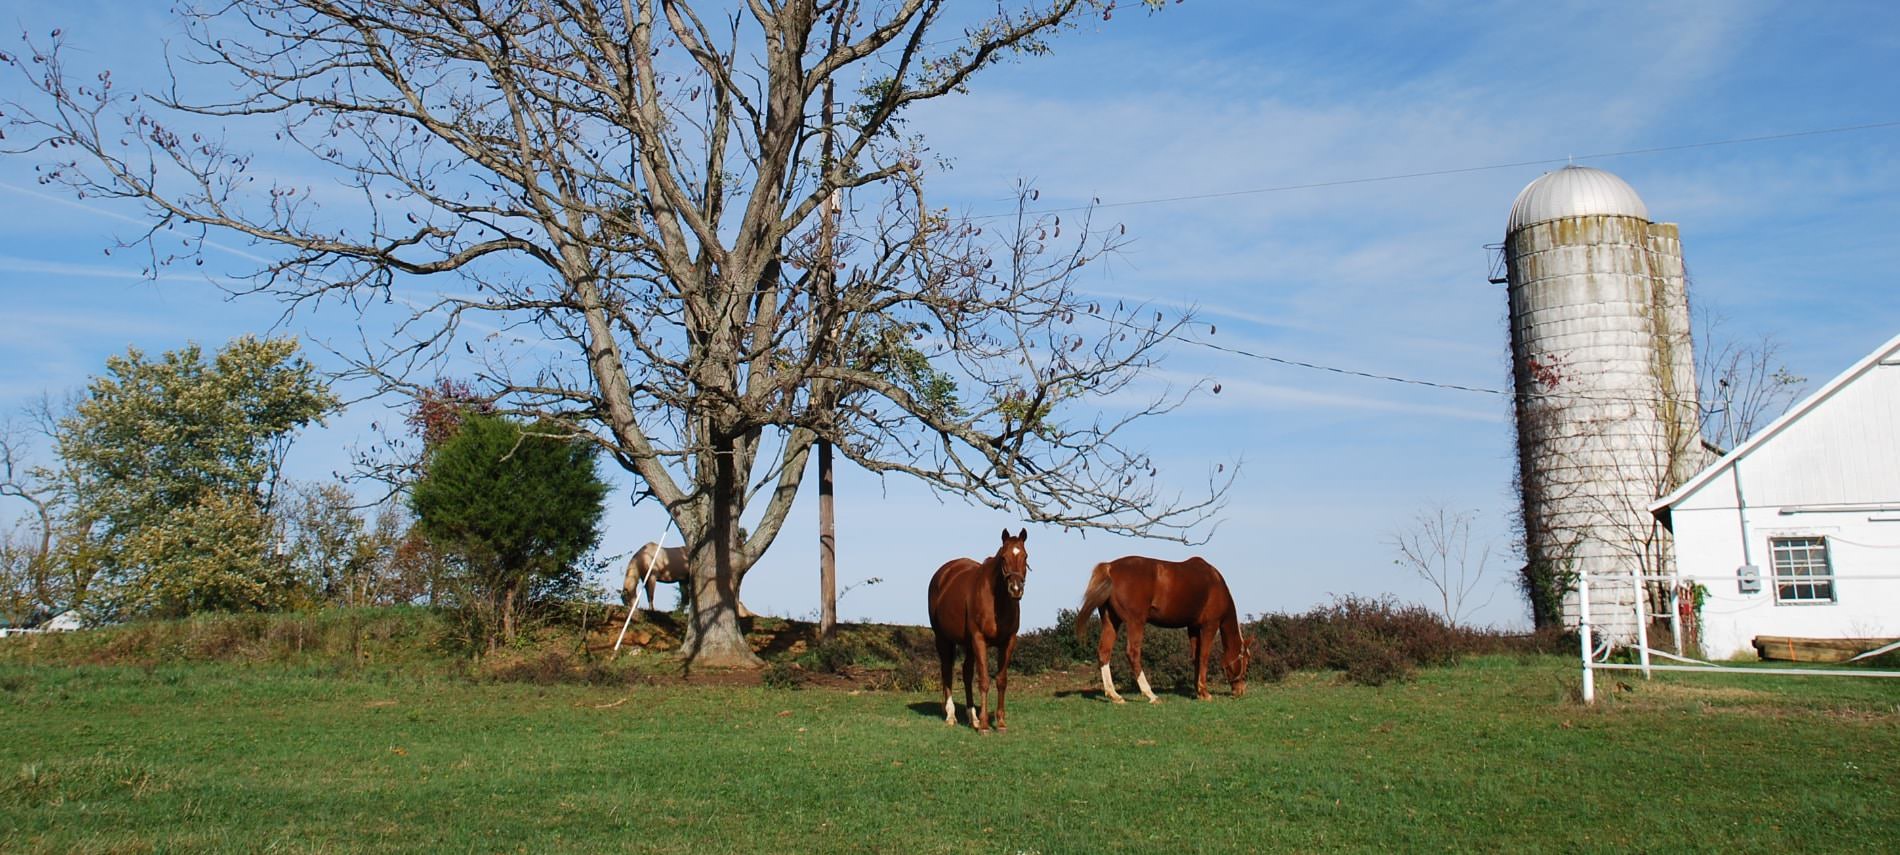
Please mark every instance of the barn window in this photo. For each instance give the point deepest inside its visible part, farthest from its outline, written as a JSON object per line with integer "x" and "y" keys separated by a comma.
{"x": 1802, "y": 574}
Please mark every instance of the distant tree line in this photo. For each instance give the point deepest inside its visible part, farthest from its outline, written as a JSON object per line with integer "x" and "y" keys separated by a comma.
{"x": 164, "y": 495}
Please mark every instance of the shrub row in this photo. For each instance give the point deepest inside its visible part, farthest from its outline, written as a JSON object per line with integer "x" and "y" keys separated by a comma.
{"x": 390, "y": 636}
{"x": 1370, "y": 641}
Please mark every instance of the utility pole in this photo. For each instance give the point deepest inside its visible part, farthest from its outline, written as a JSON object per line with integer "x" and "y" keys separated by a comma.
{"x": 825, "y": 281}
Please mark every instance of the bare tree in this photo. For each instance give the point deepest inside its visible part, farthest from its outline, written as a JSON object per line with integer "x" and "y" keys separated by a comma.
{"x": 1743, "y": 385}
{"x": 324, "y": 541}
{"x": 1616, "y": 466}
{"x": 1437, "y": 548}
{"x": 29, "y": 580}
{"x": 55, "y": 534}
{"x": 1590, "y": 462}
{"x": 633, "y": 183}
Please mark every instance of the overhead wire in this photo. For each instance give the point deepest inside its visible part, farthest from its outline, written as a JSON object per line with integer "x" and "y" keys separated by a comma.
{"x": 1369, "y": 375}
{"x": 1394, "y": 378}
{"x": 1460, "y": 170}
{"x": 1297, "y": 363}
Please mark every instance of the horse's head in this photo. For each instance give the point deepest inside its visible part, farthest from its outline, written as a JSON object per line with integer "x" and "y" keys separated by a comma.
{"x": 636, "y": 569}
{"x": 1012, "y": 562}
{"x": 1235, "y": 662}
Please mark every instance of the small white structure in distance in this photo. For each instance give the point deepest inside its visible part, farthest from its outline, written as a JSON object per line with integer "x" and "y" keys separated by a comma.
{"x": 65, "y": 621}
{"x": 1796, "y": 532}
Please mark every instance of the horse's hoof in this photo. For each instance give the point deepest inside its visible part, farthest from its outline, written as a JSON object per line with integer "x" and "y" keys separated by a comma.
{"x": 1119, "y": 700}
{"x": 1154, "y": 700}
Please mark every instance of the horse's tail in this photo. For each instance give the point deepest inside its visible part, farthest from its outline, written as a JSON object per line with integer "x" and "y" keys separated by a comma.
{"x": 1093, "y": 598}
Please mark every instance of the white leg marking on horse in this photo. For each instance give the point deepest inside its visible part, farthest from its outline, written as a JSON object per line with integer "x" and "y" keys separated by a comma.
{"x": 949, "y": 709}
{"x": 1108, "y": 686}
{"x": 1141, "y": 681}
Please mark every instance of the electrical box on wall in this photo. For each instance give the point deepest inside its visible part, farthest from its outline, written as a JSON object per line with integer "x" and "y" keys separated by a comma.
{"x": 1748, "y": 579}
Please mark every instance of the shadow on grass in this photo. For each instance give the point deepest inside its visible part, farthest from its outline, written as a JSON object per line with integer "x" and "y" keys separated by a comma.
{"x": 1185, "y": 693}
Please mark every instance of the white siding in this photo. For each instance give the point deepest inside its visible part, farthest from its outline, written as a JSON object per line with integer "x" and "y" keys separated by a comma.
{"x": 1844, "y": 451}
{"x": 1826, "y": 470}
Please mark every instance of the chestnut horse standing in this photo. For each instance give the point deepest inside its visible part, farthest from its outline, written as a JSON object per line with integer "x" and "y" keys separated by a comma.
{"x": 1138, "y": 591}
{"x": 979, "y": 606}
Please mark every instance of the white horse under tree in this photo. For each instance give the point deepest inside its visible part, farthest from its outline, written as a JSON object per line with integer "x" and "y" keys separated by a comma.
{"x": 652, "y": 564}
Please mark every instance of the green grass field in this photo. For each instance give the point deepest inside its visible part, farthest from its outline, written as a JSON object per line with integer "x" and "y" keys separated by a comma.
{"x": 1491, "y": 755}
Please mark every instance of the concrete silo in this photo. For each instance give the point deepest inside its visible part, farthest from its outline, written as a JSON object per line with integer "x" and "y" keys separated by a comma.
{"x": 1605, "y": 393}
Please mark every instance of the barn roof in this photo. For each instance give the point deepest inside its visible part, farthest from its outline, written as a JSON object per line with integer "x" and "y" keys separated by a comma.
{"x": 1886, "y": 354}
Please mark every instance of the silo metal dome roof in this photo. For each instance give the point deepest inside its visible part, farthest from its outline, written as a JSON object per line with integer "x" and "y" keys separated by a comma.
{"x": 1575, "y": 191}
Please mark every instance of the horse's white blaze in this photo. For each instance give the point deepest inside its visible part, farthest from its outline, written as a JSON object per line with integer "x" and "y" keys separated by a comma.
{"x": 1141, "y": 681}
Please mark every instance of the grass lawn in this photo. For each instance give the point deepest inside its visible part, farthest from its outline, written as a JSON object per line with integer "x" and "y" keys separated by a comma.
{"x": 1490, "y": 755}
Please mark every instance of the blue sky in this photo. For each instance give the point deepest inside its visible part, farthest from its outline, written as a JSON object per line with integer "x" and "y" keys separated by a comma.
{"x": 1796, "y": 237}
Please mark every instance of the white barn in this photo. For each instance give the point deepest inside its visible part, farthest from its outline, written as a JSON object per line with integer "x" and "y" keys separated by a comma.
{"x": 1796, "y": 532}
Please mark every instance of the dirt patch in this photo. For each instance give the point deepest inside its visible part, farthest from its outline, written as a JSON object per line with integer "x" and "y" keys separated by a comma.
{"x": 665, "y": 631}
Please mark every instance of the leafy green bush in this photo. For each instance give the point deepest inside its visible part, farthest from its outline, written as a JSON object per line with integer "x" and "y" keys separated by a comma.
{"x": 548, "y": 668}
{"x": 910, "y": 675}
{"x": 518, "y": 507}
{"x": 1371, "y": 663}
{"x": 832, "y": 656}
{"x": 781, "y": 674}
{"x": 854, "y": 647}
{"x": 1051, "y": 648}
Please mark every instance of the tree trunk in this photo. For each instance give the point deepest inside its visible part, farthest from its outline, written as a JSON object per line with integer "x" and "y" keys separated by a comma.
{"x": 714, "y": 638}
{"x": 827, "y": 547}
{"x": 508, "y": 613}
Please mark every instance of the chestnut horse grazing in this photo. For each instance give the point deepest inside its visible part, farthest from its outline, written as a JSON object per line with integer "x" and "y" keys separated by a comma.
{"x": 1138, "y": 591}
{"x": 979, "y": 606}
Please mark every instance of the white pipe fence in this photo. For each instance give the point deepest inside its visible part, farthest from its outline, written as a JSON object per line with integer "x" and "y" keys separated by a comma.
{"x": 1595, "y": 657}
